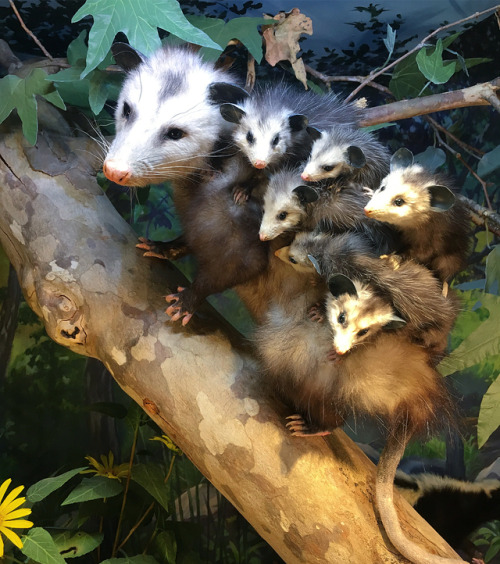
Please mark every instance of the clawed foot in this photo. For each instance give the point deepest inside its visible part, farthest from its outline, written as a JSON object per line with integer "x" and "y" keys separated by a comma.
{"x": 315, "y": 313}
{"x": 368, "y": 191}
{"x": 176, "y": 310}
{"x": 240, "y": 195}
{"x": 333, "y": 356}
{"x": 299, "y": 428}
{"x": 164, "y": 251}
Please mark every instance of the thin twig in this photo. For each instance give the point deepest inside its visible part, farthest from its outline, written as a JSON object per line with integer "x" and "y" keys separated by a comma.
{"x": 29, "y": 32}
{"x": 374, "y": 75}
{"x": 250, "y": 82}
{"x": 481, "y": 216}
{"x": 476, "y": 153}
{"x": 327, "y": 79}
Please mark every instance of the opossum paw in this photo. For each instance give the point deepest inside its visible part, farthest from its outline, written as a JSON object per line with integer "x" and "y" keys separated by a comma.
{"x": 161, "y": 250}
{"x": 299, "y": 428}
{"x": 368, "y": 191}
{"x": 333, "y": 356}
{"x": 240, "y": 195}
{"x": 315, "y": 313}
{"x": 177, "y": 311}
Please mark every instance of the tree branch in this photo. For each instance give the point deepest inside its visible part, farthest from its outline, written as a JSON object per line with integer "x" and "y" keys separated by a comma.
{"x": 28, "y": 31}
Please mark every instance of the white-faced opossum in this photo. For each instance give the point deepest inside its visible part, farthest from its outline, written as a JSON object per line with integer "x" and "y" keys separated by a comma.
{"x": 434, "y": 224}
{"x": 411, "y": 289}
{"x": 168, "y": 121}
{"x": 271, "y": 123}
{"x": 343, "y": 154}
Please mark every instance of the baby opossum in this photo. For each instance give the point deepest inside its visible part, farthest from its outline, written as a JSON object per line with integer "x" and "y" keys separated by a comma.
{"x": 434, "y": 224}
{"x": 345, "y": 154}
{"x": 272, "y": 123}
{"x": 168, "y": 122}
{"x": 411, "y": 289}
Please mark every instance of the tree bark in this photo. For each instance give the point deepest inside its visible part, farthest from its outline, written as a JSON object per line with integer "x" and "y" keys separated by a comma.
{"x": 311, "y": 499}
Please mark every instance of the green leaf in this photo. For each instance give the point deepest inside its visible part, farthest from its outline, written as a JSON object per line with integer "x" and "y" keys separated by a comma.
{"x": 447, "y": 41}
{"x": 390, "y": 40}
{"x": 152, "y": 479}
{"x": 97, "y": 487}
{"x": 44, "y": 487}
{"x": 489, "y": 413}
{"x": 71, "y": 544}
{"x": 431, "y": 158}
{"x": 492, "y": 551}
{"x": 139, "y": 22}
{"x": 489, "y": 162}
{"x": 140, "y": 559}
{"x": 432, "y": 65}
{"x": 242, "y": 29}
{"x": 493, "y": 272}
{"x": 167, "y": 546}
{"x": 407, "y": 81}
{"x": 20, "y": 93}
{"x": 39, "y": 546}
{"x": 479, "y": 345}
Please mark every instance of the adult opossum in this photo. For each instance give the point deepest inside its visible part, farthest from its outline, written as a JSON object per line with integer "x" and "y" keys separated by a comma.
{"x": 346, "y": 154}
{"x": 434, "y": 224}
{"x": 272, "y": 123}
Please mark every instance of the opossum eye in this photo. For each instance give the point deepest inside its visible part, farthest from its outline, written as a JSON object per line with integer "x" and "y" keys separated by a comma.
{"x": 382, "y": 188}
{"x": 292, "y": 260}
{"x": 174, "y": 133}
{"x": 341, "y": 318}
{"x": 398, "y": 202}
{"x": 362, "y": 332}
{"x": 250, "y": 137}
{"x": 327, "y": 168}
{"x": 276, "y": 140}
{"x": 127, "y": 110}
{"x": 281, "y": 216}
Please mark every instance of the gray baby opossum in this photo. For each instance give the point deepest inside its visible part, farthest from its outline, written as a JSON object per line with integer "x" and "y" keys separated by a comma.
{"x": 346, "y": 154}
{"x": 434, "y": 224}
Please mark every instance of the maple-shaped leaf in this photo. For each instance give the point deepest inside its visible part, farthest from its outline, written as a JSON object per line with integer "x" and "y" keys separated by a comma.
{"x": 20, "y": 93}
{"x": 139, "y": 21}
{"x": 432, "y": 65}
{"x": 489, "y": 413}
{"x": 242, "y": 29}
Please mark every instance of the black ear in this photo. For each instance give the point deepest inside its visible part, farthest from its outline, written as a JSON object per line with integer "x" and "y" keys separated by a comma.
{"x": 297, "y": 122}
{"x": 314, "y": 133}
{"x": 402, "y": 158}
{"x": 355, "y": 157}
{"x": 306, "y": 194}
{"x": 442, "y": 198}
{"x": 232, "y": 113}
{"x": 315, "y": 264}
{"x": 339, "y": 284}
{"x": 225, "y": 93}
{"x": 126, "y": 57}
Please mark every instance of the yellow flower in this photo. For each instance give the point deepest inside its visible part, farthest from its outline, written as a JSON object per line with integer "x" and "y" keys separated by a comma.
{"x": 107, "y": 469}
{"x": 10, "y": 515}
{"x": 167, "y": 441}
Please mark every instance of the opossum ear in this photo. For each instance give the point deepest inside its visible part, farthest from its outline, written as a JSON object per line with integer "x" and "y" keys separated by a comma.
{"x": 442, "y": 198}
{"x": 225, "y": 93}
{"x": 339, "y": 284}
{"x": 232, "y": 113}
{"x": 126, "y": 57}
{"x": 355, "y": 157}
{"x": 395, "y": 323}
{"x": 315, "y": 264}
{"x": 297, "y": 122}
{"x": 306, "y": 194}
{"x": 402, "y": 158}
{"x": 314, "y": 133}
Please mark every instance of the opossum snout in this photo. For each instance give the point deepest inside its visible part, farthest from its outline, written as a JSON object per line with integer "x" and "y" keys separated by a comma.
{"x": 305, "y": 176}
{"x": 263, "y": 237}
{"x": 117, "y": 171}
{"x": 259, "y": 164}
{"x": 368, "y": 212}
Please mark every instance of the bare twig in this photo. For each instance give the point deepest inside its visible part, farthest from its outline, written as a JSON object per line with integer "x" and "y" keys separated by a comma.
{"x": 29, "y": 32}
{"x": 476, "y": 153}
{"x": 328, "y": 79}
{"x": 482, "y": 216}
{"x": 250, "y": 82}
{"x": 374, "y": 75}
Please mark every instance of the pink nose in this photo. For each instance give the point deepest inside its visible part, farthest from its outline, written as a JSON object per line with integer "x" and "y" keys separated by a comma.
{"x": 368, "y": 212}
{"x": 117, "y": 171}
{"x": 263, "y": 237}
{"x": 305, "y": 176}
{"x": 260, "y": 164}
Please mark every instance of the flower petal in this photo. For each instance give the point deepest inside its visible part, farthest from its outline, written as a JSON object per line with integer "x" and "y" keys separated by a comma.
{"x": 16, "y": 514}
{"x": 14, "y": 539}
{"x": 12, "y": 495}
{"x": 12, "y": 505}
{"x": 3, "y": 488}
{"x": 16, "y": 524}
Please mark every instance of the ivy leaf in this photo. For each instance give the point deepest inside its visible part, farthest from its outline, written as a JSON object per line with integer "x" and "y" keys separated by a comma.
{"x": 493, "y": 272}
{"x": 72, "y": 545}
{"x": 433, "y": 67}
{"x": 167, "y": 546}
{"x": 390, "y": 40}
{"x": 242, "y": 29}
{"x": 407, "y": 81}
{"x": 139, "y": 22}
{"x": 152, "y": 479}
{"x": 489, "y": 413}
{"x": 39, "y": 546}
{"x": 44, "y": 487}
{"x": 431, "y": 158}
{"x": 97, "y": 487}
{"x": 489, "y": 162}
{"x": 20, "y": 93}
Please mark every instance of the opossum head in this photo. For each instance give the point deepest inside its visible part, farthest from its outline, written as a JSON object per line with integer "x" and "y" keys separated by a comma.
{"x": 356, "y": 314}
{"x": 407, "y": 196}
{"x": 334, "y": 153}
{"x": 297, "y": 254}
{"x": 264, "y": 131}
{"x": 167, "y": 116}
{"x": 285, "y": 204}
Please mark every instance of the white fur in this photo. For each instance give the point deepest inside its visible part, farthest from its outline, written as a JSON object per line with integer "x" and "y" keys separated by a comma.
{"x": 324, "y": 153}
{"x": 275, "y": 204}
